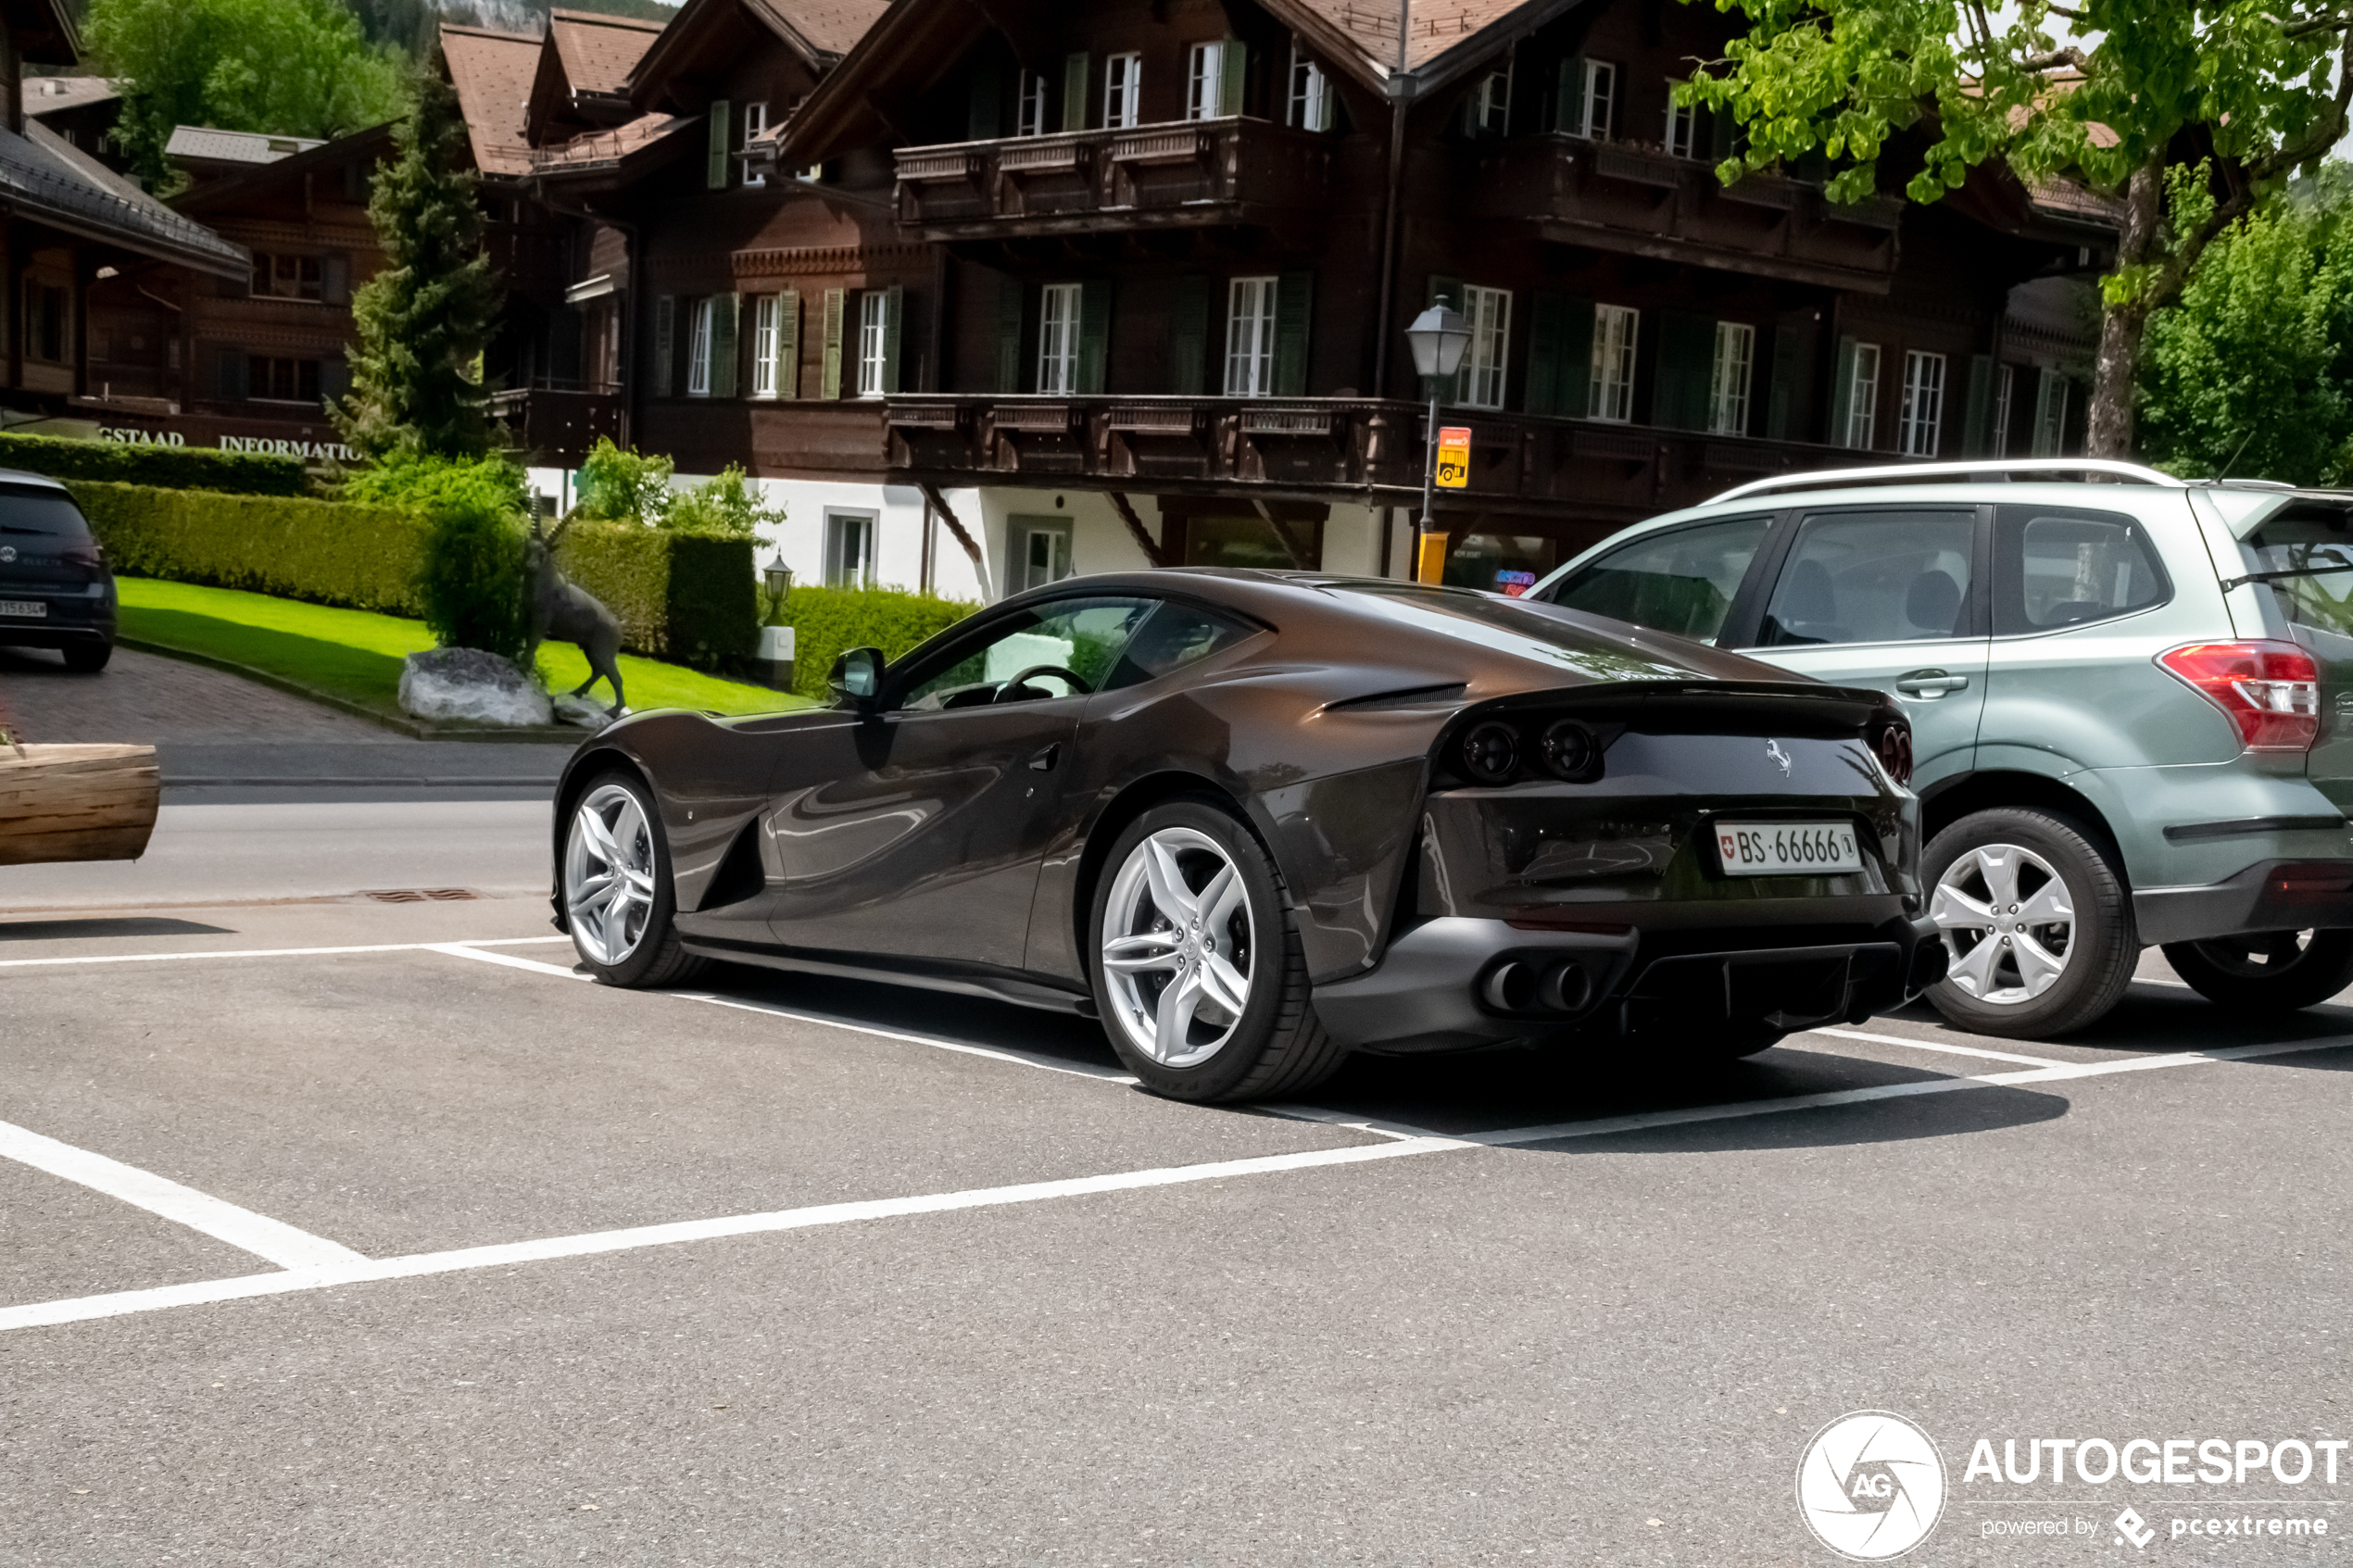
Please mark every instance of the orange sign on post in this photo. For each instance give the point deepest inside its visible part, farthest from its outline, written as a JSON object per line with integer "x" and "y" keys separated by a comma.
{"x": 1431, "y": 563}
{"x": 1453, "y": 458}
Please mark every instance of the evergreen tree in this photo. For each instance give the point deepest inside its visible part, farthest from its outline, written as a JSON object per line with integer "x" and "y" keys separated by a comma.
{"x": 423, "y": 319}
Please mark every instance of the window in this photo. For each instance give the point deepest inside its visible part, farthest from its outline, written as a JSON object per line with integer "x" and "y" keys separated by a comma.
{"x": 1874, "y": 577}
{"x": 1923, "y": 414}
{"x": 286, "y": 277}
{"x": 1123, "y": 90}
{"x": 1205, "y": 81}
{"x": 2300, "y": 539}
{"x": 1728, "y": 390}
{"x": 1615, "y": 330}
{"x": 1488, "y": 110}
{"x": 1311, "y": 93}
{"x": 1681, "y": 581}
{"x": 1057, "y": 338}
{"x": 1862, "y": 398}
{"x": 2005, "y": 380}
{"x": 1250, "y": 337}
{"x": 698, "y": 349}
{"x": 1030, "y": 120}
{"x": 1089, "y": 637}
{"x": 755, "y": 126}
{"x": 875, "y": 330}
{"x": 2053, "y": 569}
{"x": 46, "y": 310}
{"x": 1040, "y": 551}
{"x": 1481, "y": 383}
{"x": 2050, "y": 414}
{"x": 1682, "y": 125}
{"x": 766, "y": 326}
{"x": 1599, "y": 100}
{"x": 849, "y": 549}
{"x": 281, "y": 380}
{"x": 1171, "y": 637}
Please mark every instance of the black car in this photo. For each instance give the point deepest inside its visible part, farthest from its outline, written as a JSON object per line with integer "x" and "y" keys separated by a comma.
{"x": 54, "y": 589}
{"x": 1255, "y": 820}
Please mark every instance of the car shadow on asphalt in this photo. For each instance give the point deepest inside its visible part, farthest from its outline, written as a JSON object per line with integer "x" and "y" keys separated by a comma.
{"x": 69, "y": 929}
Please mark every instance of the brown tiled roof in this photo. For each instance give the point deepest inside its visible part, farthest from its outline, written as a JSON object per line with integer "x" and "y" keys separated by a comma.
{"x": 492, "y": 72}
{"x": 48, "y": 94}
{"x": 599, "y": 52}
{"x": 1432, "y": 27}
{"x": 601, "y": 149}
{"x": 829, "y": 26}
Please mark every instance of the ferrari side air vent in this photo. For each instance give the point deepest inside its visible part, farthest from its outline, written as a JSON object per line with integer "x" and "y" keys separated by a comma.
{"x": 1405, "y": 696}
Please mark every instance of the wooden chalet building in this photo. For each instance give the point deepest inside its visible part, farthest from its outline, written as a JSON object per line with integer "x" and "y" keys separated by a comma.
{"x": 1084, "y": 286}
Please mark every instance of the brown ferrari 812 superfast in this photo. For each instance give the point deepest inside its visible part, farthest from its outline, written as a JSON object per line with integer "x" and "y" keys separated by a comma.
{"x": 1255, "y": 820}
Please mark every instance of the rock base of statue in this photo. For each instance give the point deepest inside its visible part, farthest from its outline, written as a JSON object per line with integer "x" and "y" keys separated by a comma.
{"x": 580, "y": 710}
{"x": 468, "y": 686}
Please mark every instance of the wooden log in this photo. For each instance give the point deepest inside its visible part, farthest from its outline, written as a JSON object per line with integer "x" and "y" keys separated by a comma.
{"x": 77, "y": 802}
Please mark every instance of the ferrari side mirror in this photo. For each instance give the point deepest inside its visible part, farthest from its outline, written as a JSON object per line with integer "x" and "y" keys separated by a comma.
{"x": 857, "y": 678}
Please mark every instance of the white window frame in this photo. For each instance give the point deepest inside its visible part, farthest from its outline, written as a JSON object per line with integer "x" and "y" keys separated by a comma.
{"x": 1862, "y": 399}
{"x": 1058, "y": 310}
{"x": 699, "y": 348}
{"x": 1311, "y": 93}
{"x": 1249, "y": 336}
{"x": 1600, "y": 99}
{"x": 755, "y": 125}
{"x": 840, "y": 526}
{"x": 765, "y": 313}
{"x": 1489, "y": 104}
{"x": 2050, "y": 415}
{"x": 2005, "y": 385}
{"x": 1682, "y": 125}
{"x": 1487, "y": 359}
{"x": 1205, "y": 78}
{"x": 1122, "y": 91}
{"x": 1029, "y": 114}
{"x": 1729, "y": 386}
{"x": 873, "y": 340}
{"x": 1920, "y": 424}
{"x": 1617, "y": 332}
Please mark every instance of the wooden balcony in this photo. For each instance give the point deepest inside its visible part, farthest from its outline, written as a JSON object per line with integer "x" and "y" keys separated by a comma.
{"x": 1364, "y": 450}
{"x": 1189, "y": 174}
{"x": 558, "y": 421}
{"x": 1616, "y": 196}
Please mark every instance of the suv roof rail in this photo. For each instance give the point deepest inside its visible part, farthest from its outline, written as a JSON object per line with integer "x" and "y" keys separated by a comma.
{"x": 1834, "y": 479}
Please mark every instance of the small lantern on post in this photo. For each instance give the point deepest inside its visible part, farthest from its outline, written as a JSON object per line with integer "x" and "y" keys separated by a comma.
{"x": 1440, "y": 336}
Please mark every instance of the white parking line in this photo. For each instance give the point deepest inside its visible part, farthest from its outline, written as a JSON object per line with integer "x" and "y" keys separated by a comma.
{"x": 280, "y": 952}
{"x": 257, "y": 1234}
{"x": 1938, "y": 1045}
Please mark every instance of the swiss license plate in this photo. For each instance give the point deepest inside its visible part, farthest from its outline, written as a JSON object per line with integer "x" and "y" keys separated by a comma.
{"x": 1787, "y": 848}
{"x": 33, "y": 607}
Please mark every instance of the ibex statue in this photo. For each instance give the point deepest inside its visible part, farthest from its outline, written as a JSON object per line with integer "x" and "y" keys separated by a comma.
{"x": 557, "y": 608}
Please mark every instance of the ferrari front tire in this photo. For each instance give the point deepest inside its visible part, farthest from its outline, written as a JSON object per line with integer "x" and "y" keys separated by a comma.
{"x": 1197, "y": 971}
{"x": 618, "y": 899}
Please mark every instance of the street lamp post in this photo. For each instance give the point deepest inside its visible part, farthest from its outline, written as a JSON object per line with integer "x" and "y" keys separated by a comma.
{"x": 1440, "y": 335}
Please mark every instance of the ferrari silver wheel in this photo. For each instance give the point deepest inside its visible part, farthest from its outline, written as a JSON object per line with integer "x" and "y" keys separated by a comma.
{"x": 2008, "y": 924}
{"x": 608, "y": 875}
{"x": 1178, "y": 947}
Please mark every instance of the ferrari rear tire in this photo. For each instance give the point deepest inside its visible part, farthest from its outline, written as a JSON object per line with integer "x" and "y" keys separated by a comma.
{"x": 87, "y": 659}
{"x": 2279, "y": 971}
{"x": 617, "y": 898}
{"x": 1198, "y": 976}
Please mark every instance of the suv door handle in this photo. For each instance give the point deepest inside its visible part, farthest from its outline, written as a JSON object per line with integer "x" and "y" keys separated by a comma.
{"x": 1930, "y": 684}
{"x": 1044, "y": 761}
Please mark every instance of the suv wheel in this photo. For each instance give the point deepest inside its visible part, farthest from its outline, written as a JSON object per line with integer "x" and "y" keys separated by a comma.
{"x": 2278, "y": 971}
{"x": 2035, "y": 925}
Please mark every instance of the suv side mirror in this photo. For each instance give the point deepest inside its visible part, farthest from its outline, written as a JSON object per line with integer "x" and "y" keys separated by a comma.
{"x": 857, "y": 678}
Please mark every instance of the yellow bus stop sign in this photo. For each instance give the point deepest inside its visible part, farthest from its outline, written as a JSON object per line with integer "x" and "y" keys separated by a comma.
{"x": 1453, "y": 458}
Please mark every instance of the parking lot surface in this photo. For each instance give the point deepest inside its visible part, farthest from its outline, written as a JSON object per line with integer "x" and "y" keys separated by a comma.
{"x": 342, "y": 1231}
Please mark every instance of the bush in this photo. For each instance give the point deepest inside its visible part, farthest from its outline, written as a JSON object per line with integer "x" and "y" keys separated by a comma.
{"x": 427, "y": 485}
{"x": 618, "y": 486}
{"x": 727, "y": 506}
{"x": 826, "y": 622}
{"x": 327, "y": 552}
{"x": 680, "y": 597}
{"x": 470, "y": 585}
{"x": 173, "y": 468}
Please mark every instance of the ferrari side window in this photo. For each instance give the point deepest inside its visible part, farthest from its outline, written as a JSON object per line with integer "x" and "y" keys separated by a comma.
{"x": 1065, "y": 648}
{"x": 1679, "y": 580}
{"x": 1176, "y": 636}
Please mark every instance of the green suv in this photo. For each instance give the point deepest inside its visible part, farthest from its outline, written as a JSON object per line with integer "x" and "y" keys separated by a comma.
{"x": 2131, "y": 702}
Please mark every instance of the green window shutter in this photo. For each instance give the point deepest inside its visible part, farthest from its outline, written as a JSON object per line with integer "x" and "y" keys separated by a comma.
{"x": 726, "y": 314}
{"x": 829, "y": 384}
{"x": 894, "y": 313}
{"x": 988, "y": 120}
{"x": 721, "y": 124}
{"x": 1233, "y": 73}
{"x": 1841, "y": 392}
{"x": 1686, "y": 365}
{"x": 1448, "y": 292}
{"x": 1723, "y": 133}
{"x": 1977, "y": 435}
{"x": 1011, "y": 297}
{"x": 335, "y": 377}
{"x": 1294, "y": 313}
{"x": 1570, "y": 115}
{"x": 334, "y": 279}
{"x": 1094, "y": 335}
{"x": 665, "y": 343}
{"x": 788, "y": 344}
{"x": 1786, "y": 402}
{"x": 1547, "y": 318}
{"x": 1188, "y": 335}
{"x": 230, "y": 374}
{"x": 1074, "y": 76}
{"x": 1575, "y": 386}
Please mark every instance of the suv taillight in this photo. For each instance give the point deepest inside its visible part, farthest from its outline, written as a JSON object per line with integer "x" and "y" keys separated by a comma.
{"x": 2270, "y": 690}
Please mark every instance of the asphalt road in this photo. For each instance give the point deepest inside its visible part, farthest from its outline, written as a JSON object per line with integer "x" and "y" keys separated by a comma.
{"x": 471, "y": 1261}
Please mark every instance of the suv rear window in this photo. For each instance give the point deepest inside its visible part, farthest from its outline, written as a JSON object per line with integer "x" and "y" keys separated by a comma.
{"x": 2055, "y": 567}
{"x": 2315, "y": 542}
{"x": 29, "y": 512}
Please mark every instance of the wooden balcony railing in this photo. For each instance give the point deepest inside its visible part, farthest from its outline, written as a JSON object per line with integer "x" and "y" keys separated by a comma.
{"x": 559, "y": 422}
{"x": 1189, "y": 174}
{"x": 1363, "y": 449}
{"x": 1612, "y": 196}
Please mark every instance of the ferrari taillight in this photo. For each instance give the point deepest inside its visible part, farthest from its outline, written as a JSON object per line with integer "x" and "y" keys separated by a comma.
{"x": 2270, "y": 690}
{"x": 1892, "y": 741}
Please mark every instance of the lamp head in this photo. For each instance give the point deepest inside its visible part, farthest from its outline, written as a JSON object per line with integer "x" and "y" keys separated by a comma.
{"x": 1440, "y": 335}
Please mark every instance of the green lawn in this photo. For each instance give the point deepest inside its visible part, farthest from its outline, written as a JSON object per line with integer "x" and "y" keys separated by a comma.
{"x": 356, "y": 656}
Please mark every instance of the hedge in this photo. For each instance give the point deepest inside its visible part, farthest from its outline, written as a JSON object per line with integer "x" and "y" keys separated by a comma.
{"x": 362, "y": 557}
{"x": 686, "y": 597}
{"x": 173, "y": 467}
{"x": 827, "y": 621}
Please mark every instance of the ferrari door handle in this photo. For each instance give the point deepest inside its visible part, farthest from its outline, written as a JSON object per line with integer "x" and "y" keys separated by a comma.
{"x": 1929, "y": 682}
{"x": 1044, "y": 761}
